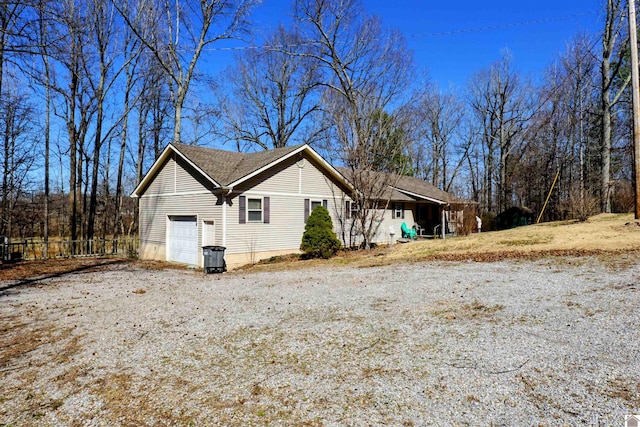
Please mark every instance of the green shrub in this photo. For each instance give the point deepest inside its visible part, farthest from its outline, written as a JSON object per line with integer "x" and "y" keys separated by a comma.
{"x": 319, "y": 240}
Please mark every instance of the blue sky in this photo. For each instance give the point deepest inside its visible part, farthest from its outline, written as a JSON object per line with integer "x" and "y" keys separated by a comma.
{"x": 450, "y": 59}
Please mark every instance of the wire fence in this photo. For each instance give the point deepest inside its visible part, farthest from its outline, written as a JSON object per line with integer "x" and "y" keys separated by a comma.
{"x": 36, "y": 249}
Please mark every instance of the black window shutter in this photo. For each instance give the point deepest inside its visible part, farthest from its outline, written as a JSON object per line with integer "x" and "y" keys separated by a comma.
{"x": 267, "y": 210}
{"x": 402, "y": 207}
{"x": 306, "y": 209}
{"x": 347, "y": 209}
{"x": 242, "y": 204}
{"x": 325, "y": 204}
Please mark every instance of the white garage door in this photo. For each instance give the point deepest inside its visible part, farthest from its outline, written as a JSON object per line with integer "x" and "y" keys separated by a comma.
{"x": 183, "y": 239}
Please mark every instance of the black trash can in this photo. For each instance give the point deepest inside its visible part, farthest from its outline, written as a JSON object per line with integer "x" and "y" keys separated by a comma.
{"x": 214, "y": 259}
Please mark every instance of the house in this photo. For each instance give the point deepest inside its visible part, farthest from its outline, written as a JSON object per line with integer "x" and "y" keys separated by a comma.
{"x": 256, "y": 204}
{"x": 417, "y": 203}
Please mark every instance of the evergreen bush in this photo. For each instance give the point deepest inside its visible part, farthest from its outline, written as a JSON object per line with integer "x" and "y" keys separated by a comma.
{"x": 319, "y": 240}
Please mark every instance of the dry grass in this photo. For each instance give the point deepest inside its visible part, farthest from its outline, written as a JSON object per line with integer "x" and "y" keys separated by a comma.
{"x": 606, "y": 236}
{"x": 454, "y": 310}
{"x": 602, "y": 235}
{"x": 625, "y": 389}
{"x": 30, "y": 269}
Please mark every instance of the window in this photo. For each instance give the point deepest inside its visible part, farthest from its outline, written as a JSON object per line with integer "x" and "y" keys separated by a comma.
{"x": 310, "y": 205}
{"x": 398, "y": 210}
{"x": 350, "y": 209}
{"x": 254, "y": 210}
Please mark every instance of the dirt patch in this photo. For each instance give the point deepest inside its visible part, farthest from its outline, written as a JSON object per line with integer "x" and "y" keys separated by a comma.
{"x": 26, "y": 270}
{"x": 31, "y": 269}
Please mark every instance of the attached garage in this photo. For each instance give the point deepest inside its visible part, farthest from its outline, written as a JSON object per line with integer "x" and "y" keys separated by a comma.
{"x": 183, "y": 240}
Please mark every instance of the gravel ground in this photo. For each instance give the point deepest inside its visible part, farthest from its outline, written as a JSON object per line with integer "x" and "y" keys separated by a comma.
{"x": 551, "y": 342}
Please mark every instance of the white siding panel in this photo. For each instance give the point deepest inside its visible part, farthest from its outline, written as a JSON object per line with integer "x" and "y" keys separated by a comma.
{"x": 177, "y": 177}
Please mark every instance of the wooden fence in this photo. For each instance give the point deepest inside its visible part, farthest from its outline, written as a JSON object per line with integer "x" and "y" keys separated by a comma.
{"x": 36, "y": 249}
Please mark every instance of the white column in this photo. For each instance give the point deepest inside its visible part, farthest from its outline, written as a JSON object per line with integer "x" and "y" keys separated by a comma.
{"x": 224, "y": 220}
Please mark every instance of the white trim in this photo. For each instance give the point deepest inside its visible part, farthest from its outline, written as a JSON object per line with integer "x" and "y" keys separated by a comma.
{"x": 203, "y": 223}
{"x": 272, "y": 193}
{"x": 224, "y": 220}
{"x": 420, "y": 196}
{"x": 186, "y": 193}
{"x": 302, "y": 148}
{"x": 261, "y": 220}
{"x": 155, "y": 168}
{"x": 167, "y": 237}
{"x": 268, "y": 166}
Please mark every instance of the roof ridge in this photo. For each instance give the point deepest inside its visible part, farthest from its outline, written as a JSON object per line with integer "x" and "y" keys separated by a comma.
{"x": 226, "y": 167}
{"x": 247, "y": 158}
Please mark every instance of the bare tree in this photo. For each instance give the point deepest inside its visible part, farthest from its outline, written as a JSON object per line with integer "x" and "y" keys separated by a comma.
{"x": 365, "y": 70}
{"x": 176, "y": 33}
{"x": 68, "y": 33}
{"x": 16, "y": 136}
{"x": 132, "y": 52}
{"x": 273, "y": 93}
{"x": 610, "y": 66}
{"x": 439, "y": 115}
{"x": 502, "y": 103}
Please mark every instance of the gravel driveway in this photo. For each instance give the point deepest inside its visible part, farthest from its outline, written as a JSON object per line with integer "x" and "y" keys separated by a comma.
{"x": 551, "y": 342}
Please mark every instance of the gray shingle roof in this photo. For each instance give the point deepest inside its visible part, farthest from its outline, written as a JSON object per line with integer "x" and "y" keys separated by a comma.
{"x": 408, "y": 184}
{"x": 422, "y": 188}
{"x": 225, "y": 167}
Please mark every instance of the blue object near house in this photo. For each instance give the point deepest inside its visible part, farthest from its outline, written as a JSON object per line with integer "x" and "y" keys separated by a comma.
{"x": 408, "y": 233}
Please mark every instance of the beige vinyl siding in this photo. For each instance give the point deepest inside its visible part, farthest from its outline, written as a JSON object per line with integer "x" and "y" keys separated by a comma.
{"x": 177, "y": 176}
{"x": 284, "y": 231}
{"x": 164, "y": 182}
{"x": 383, "y": 235}
{"x": 189, "y": 180}
{"x": 154, "y": 212}
{"x": 281, "y": 178}
{"x": 314, "y": 181}
{"x": 281, "y": 185}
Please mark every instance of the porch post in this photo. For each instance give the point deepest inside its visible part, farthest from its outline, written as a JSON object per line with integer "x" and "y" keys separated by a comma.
{"x": 224, "y": 220}
{"x": 443, "y": 223}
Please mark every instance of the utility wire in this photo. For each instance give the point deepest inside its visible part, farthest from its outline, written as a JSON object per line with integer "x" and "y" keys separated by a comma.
{"x": 446, "y": 33}
{"x": 504, "y": 26}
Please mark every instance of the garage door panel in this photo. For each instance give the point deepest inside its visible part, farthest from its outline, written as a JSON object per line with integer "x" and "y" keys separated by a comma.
{"x": 183, "y": 239}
